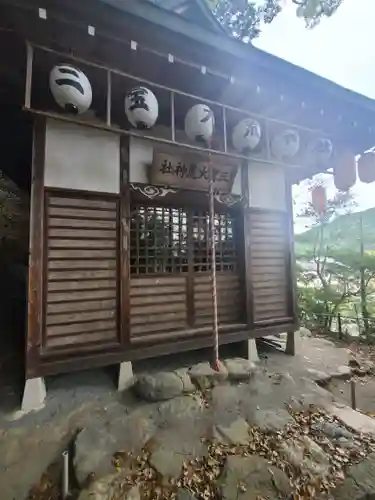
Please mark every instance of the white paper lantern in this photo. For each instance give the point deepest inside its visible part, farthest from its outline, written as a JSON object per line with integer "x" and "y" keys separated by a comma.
{"x": 345, "y": 171}
{"x": 246, "y": 135}
{"x": 321, "y": 151}
{"x": 141, "y": 107}
{"x": 366, "y": 167}
{"x": 70, "y": 88}
{"x": 199, "y": 123}
{"x": 286, "y": 144}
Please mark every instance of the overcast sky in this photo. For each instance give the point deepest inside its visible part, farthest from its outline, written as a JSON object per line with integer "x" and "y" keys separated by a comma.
{"x": 341, "y": 48}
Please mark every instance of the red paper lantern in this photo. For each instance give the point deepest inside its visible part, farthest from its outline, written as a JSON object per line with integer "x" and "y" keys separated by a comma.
{"x": 344, "y": 171}
{"x": 319, "y": 199}
{"x": 366, "y": 167}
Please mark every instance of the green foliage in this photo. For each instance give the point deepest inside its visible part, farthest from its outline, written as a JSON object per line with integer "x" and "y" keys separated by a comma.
{"x": 243, "y": 18}
{"x": 335, "y": 273}
{"x": 341, "y": 232}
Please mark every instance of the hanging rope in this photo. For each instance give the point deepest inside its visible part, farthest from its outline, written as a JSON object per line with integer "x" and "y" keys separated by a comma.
{"x": 215, "y": 359}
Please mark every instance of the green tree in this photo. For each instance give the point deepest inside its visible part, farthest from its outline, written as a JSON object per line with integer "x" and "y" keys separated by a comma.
{"x": 323, "y": 279}
{"x": 244, "y": 18}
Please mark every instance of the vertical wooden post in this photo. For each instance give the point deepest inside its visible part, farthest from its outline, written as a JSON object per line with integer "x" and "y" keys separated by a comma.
{"x": 246, "y": 235}
{"x": 124, "y": 242}
{"x": 339, "y": 324}
{"x": 352, "y": 394}
{"x": 215, "y": 359}
{"x": 35, "y": 278}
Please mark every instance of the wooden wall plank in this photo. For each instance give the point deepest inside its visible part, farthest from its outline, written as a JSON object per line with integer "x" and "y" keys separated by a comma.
{"x": 35, "y": 277}
{"x": 81, "y": 270}
{"x": 268, "y": 251}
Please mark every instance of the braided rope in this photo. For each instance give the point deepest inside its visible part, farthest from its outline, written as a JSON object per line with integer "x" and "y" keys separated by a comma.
{"x": 215, "y": 360}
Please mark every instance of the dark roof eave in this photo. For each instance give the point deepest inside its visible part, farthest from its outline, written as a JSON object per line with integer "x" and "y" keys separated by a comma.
{"x": 172, "y": 21}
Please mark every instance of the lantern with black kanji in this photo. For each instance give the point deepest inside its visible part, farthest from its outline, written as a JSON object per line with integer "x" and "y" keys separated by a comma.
{"x": 141, "y": 107}
{"x": 319, "y": 199}
{"x": 344, "y": 171}
{"x": 285, "y": 145}
{"x": 70, "y": 88}
{"x": 321, "y": 151}
{"x": 246, "y": 135}
{"x": 199, "y": 123}
{"x": 366, "y": 167}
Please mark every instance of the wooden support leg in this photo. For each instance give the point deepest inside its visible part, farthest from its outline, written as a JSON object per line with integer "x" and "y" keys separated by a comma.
{"x": 125, "y": 376}
{"x": 291, "y": 343}
{"x": 34, "y": 394}
{"x": 250, "y": 350}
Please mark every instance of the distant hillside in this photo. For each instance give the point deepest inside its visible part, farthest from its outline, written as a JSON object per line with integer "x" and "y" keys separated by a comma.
{"x": 341, "y": 232}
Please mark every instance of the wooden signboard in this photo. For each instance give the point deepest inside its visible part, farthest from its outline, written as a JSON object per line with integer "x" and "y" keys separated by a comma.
{"x": 191, "y": 172}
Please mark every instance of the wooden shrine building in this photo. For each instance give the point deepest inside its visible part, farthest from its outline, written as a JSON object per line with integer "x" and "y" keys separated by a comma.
{"x": 120, "y": 258}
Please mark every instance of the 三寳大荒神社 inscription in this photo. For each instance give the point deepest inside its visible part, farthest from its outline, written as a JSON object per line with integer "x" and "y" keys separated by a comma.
{"x": 188, "y": 173}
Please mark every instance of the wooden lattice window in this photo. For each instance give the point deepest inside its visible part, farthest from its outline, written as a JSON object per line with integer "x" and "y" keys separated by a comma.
{"x": 163, "y": 239}
{"x": 226, "y": 255}
{"x": 158, "y": 240}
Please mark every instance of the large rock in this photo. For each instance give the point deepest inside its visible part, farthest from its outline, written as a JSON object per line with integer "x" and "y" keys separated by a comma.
{"x": 271, "y": 421}
{"x": 319, "y": 376}
{"x": 96, "y": 444}
{"x": 239, "y": 369}
{"x": 206, "y": 377}
{"x": 110, "y": 487}
{"x": 359, "y": 483}
{"x": 188, "y": 385}
{"x": 224, "y": 404}
{"x": 236, "y": 433}
{"x": 304, "y": 454}
{"x": 249, "y": 478}
{"x": 159, "y": 386}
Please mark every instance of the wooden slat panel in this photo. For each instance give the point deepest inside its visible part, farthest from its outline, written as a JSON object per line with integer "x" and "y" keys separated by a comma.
{"x": 79, "y": 317}
{"x": 90, "y": 326}
{"x": 81, "y": 223}
{"x": 268, "y": 246}
{"x": 157, "y": 318}
{"x": 65, "y": 243}
{"x": 220, "y": 278}
{"x": 80, "y": 295}
{"x": 82, "y": 254}
{"x": 82, "y": 233}
{"x": 82, "y": 202}
{"x": 158, "y": 281}
{"x": 157, "y": 299}
{"x": 154, "y": 291}
{"x": 82, "y": 338}
{"x": 82, "y": 271}
{"x": 93, "y": 305}
{"x": 65, "y": 265}
{"x": 95, "y": 284}
{"x": 143, "y": 330}
{"x": 78, "y": 213}
{"x": 224, "y": 296}
{"x": 172, "y": 307}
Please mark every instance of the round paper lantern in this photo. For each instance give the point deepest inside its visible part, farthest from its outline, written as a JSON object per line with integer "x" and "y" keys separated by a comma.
{"x": 141, "y": 107}
{"x": 199, "y": 123}
{"x": 319, "y": 199}
{"x": 70, "y": 88}
{"x": 246, "y": 135}
{"x": 321, "y": 151}
{"x": 366, "y": 167}
{"x": 344, "y": 171}
{"x": 286, "y": 144}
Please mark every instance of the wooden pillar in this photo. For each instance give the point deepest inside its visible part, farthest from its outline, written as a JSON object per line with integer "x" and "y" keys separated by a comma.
{"x": 291, "y": 265}
{"x": 246, "y": 235}
{"x": 35, "y": 276}
{"x": 124, "y": 243}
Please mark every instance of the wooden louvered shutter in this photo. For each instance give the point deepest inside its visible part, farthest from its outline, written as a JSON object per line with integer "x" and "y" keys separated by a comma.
{"x": 269, "y": 268}
{"x": 81, "y": 270}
